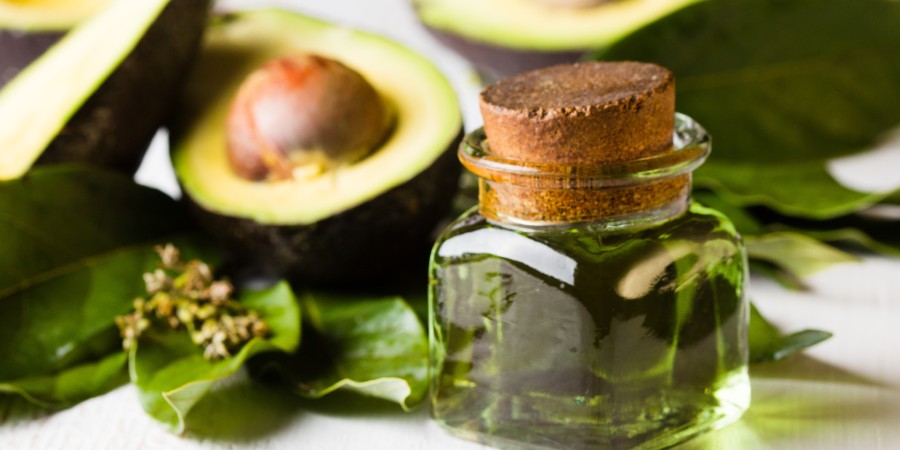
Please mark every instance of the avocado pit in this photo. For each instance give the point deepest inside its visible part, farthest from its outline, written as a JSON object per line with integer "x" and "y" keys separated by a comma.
{"x": 303, "y": 114}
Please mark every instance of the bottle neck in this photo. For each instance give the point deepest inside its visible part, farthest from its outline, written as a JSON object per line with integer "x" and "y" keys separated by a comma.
{"x": 633, "y": 205}
{"x": 636, "y": 192}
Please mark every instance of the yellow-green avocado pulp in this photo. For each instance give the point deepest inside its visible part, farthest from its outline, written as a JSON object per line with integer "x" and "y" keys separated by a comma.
{"x": 346, "y": 216}
{"x": 47, "y": 15}
{"x": 535, "y": 25}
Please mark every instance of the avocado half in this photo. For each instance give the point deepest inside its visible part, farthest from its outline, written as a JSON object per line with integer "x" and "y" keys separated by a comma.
{"x": 505, "y": 37}
{"x": 90, "y": 80}
{"x": 357, "y": 222}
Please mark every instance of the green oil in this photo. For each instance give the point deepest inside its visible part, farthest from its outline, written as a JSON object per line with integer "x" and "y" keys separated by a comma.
{"x": 589, "y": 336}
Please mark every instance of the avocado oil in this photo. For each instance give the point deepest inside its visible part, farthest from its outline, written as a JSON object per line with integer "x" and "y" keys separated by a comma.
{"x": 587, "y": 303}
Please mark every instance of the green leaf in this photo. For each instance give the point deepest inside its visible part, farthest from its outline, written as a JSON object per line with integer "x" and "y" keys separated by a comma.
{"x": 372, "y": 346}
{"x": 782, "y": 254}
{"x": 782, "y": 86}
{"x": 859, "y": 230}
{"x": 803, "y": 189}
{"x": 795, "y": 253}
{"x": 743, "y": 221}
{"x": 67, "y": 217}
{"x": 73, "y": 384}
{"x": 862, "y": 236}
{"x": 865, "y": 229}
{"x": 78, "y": 241}
{"x": 787, "y": 279}
{"x": 171, "y": 374}
{"x": 768, "y": 344}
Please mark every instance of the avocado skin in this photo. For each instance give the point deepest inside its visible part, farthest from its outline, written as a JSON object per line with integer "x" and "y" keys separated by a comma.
{"x": 20, "y": 49}
{"x": 376, "y": 241}
{"x": 494, "y": 62}
{"x": 114, "y": 127}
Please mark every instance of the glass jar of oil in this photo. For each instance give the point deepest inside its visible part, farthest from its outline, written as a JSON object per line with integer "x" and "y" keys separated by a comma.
{"x": 588, "y": 304}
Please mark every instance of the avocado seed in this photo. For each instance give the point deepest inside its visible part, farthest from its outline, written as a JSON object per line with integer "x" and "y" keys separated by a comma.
{"x": 303, "y": 114}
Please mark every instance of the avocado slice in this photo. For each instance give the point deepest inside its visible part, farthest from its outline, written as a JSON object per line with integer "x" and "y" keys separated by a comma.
{"x": 505, "y": 37}
{"x": 47, "y": 15}
{"x": 99, "y": 94}
{"x": 352, "y": 223}
{"x": 29, "y": 28}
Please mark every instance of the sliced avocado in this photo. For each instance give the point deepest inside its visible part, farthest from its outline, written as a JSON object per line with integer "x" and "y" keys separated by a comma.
{"x": 29, "y": 27}
{"x": 504, "y": 37}
{"x": 353, "y": 222}
{"x": 100, "y": 93}
{"x": 47, "y": 15}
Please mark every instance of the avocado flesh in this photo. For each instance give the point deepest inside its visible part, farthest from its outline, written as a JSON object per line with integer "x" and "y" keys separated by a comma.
{"x": 381, "y": 241}
{"x": 47, "y": 15}
{"x": 363, "y": 222}
{"x": 427, "y": 119}
{"x": 535, "y": 25}
{"x": 101, "y": 92}
{"x": 29, "y": 27}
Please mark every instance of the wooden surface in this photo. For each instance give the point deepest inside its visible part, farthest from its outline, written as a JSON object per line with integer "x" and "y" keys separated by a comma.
{"x": 843, "y": 394}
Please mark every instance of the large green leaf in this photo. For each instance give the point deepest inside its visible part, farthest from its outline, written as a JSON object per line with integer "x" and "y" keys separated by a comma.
{"x": 372, "y": 346}
{"x": 782, "y": 85}
{"x": 71, "y": 385}
{"x": 61, "y": 218}
{"x": 768, "y": 344}
{"x": 865, "y": 229}
{"x": 743, "y": 221}
{"x": 798, "y": 254}
{"x": 860, "y": 236}
{"x": 784, "y": 254}
{"x": 76, "y": 241}
{"x": 803, "y": 189}
{"x": 859, "y": 230}
{"x": 172, "y": 375}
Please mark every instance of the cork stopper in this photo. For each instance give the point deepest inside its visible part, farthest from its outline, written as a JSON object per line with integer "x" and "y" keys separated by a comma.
{"x": 581, "y": 113}
{"x": 578, "y": 118}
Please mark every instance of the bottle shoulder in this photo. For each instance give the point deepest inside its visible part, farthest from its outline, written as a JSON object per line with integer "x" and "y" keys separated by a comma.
{"x": 701, "y": 235}
{"x": 698, "y": 223}
{"x": 700, "y": 241}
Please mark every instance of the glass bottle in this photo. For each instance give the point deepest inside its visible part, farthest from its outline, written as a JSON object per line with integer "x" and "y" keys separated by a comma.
{"x": 588, "y": 305}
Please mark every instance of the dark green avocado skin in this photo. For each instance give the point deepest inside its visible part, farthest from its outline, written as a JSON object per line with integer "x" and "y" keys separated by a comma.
{"x": 114, "y": 127}
{"x": 494, "y": 62}
{"x": 380, "y": 240}
{"x": 20, "y": 49}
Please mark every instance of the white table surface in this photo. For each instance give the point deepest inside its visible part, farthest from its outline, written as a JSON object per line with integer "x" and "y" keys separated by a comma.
{"x": 843, "y": 394}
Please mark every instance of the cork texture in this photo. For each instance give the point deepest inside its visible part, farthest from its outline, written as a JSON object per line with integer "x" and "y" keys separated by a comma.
{"x": 581, "y": 113}
{"x": 566, "y": 118}
{"x": 508, "y": 201}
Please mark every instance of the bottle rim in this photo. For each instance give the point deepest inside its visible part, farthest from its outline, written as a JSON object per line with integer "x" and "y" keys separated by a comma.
{"x": 691, "y": 146}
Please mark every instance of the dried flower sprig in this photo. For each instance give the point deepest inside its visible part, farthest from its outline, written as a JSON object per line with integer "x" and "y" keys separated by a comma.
{"x": 184, "y": 295}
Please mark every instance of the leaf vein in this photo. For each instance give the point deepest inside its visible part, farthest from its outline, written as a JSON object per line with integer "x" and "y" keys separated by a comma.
{"x": 71, "y": 267}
